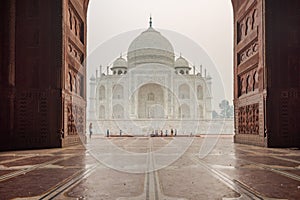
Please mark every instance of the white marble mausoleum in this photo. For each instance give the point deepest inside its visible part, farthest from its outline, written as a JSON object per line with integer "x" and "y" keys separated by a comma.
{"x": 150, "y": 88}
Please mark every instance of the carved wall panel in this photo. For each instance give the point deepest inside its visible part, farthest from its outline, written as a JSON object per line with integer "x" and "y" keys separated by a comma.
{"x": 288, "y": 123}
{"x": 248, "y": 82}
{"x": 75, "y": 49}
{"x": 37, "y": 72}
{"x": 248, "y": 119}
{"x": 266, "y": 69}
{"x": 32, "y": 117}
{"x": 151, "y": 79}
{"x": 76, "y": 24}
{"x": 247, "y": 24}
{"x": 74, "y": 82}
{"x": 248, "y": 52}
{"x": 76, "y": 120}
{"x": 75, "y": 52}
{"x": 248, "y": 69}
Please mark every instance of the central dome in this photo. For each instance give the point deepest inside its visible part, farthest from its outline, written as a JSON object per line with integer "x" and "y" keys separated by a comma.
{"x": 150, "y": 47}
{"x": 151, "y": 39}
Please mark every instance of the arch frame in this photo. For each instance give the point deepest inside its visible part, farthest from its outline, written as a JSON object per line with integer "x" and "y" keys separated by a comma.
{"x": 67, "y": 50}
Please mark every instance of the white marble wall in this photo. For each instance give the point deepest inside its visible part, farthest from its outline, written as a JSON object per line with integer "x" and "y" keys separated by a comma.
{"x": 127, "y": 97}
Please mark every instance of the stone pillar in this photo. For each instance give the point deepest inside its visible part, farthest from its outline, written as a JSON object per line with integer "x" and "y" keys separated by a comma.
{"x": 7, "y": 71}
{"x": 266, "y": 72}
{"x": 34, "y": 69}
{"x": 249, "y": 47}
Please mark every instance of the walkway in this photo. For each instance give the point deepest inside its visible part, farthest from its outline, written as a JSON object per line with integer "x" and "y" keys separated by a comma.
{"x": 229, "y": 171}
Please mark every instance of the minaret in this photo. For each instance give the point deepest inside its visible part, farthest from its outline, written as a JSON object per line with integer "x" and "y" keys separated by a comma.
{"x": 92, "y": 98}
{"x": 209, "y": 97}
{"x": 209, "y": 83}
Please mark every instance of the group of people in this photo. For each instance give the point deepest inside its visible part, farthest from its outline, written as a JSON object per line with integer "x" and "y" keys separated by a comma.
{"x": 155, "y": 133}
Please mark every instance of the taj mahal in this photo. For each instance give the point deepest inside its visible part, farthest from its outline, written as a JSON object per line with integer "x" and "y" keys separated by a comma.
{"x": 151, "y": 89}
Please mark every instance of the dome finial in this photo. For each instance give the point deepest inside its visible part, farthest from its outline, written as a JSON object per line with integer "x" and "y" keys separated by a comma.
{"x": 150, "y": 22}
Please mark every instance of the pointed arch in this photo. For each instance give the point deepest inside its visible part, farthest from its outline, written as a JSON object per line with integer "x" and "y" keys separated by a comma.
{"x": 200, "y": 92}
{"x": 102, "y": 112}
{"x": 101, "y": 92}
{"x": 118, "y": 92}
{"x": 184, "y": 91}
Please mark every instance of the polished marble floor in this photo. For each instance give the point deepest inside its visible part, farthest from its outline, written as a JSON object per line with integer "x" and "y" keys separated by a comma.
{"x": 163, "y": 168}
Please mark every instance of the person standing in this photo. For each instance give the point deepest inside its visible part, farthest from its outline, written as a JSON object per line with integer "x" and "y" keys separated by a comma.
{"x": 91, "y": 129}
{"x": 107, "y": 133}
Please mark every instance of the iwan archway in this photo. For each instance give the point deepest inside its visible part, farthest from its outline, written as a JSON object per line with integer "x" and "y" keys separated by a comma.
{"x": 43, "y": 75}
{"x": 151, "y": 101}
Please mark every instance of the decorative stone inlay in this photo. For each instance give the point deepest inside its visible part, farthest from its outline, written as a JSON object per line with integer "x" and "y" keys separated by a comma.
{"x": 74, "y": 51}
{"x": 248, "y": 53}
{"x": 75, "y": 83}
{"x": 76, "y": 24}
{"x": 248, "y": 82}
{"x": 33, "y": 105}
{"x": 75, "y": 115}
{"x": 248, "y": 119}
{"x": 247, "y": 24}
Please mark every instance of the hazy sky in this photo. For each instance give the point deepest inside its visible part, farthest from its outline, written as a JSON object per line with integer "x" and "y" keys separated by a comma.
{"x": 209, "y": 23}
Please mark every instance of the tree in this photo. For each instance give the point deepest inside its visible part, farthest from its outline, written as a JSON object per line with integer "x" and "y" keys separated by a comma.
{"x": 226, "y": 109}
{"x": 215, "y": 114}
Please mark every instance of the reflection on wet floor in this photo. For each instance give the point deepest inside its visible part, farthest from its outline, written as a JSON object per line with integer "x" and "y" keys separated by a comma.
{"x": 228, "y": 171}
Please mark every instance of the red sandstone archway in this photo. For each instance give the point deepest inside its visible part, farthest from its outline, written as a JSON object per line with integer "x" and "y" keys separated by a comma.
{"x": 42, "y": 43}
